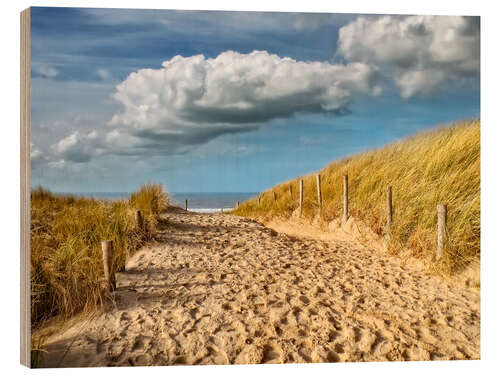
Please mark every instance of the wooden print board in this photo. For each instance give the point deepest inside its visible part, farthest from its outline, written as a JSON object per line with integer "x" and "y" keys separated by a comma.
{"x": 216, "y": 187}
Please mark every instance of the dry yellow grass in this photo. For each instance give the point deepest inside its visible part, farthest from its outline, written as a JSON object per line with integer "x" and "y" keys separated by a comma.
{"x": 439, "y": 166}
{"x": 66, "y": 259}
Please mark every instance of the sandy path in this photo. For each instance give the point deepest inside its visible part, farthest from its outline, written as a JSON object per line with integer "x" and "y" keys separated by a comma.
{"x": 220, "y": 289}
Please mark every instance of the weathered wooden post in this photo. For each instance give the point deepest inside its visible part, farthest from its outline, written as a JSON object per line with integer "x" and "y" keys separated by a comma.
{"x": 107, "y": 260}
{"x": 442, "y": 218}
{"x": 238, "y": 204}
{"x": 346, "y": 199}
{"x": 186, "y": 204}
{"x": 301, "y": 194}
{"x": 290, "y": 190}
{"x": 318, "y": 185}
{"x": 139, "y": 220}
{"x": 389, "y": 208}
{"x": 274, "y": 195}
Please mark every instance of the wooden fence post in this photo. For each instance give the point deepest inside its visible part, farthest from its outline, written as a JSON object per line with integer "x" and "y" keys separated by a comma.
{"x": 318, "y": 185}
{"x": 442, "y": 218}
{"x": 186, "y": 204}
{"x": 107, "y": 260}
{"x": 301, "y": 194}
{"x": 290, "y": 190}
{"x": 346, "y": 199}
{"x": 274, "y": 195}
{"x": 389, "y": 208}
{"x": 139, "y": 220}
{"x": 238, "y": 204}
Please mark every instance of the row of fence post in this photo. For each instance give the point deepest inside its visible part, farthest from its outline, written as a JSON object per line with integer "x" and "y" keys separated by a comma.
{"x": 442, "y": 209}
{"x": 319, "y": 195}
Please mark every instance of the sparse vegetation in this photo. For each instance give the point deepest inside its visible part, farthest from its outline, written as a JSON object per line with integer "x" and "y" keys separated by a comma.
{"x": 439, "y": 166}
{"x": 66, "y": 259}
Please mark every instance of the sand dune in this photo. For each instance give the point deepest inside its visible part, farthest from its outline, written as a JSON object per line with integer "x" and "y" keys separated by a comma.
{"x": 220, "y": 289}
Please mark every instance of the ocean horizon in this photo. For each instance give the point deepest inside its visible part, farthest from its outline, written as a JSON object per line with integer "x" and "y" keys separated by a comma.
{"x": 197, "y": 202}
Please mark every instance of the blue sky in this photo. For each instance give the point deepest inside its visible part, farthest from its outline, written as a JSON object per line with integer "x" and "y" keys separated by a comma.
{"x": 234, "y": 101}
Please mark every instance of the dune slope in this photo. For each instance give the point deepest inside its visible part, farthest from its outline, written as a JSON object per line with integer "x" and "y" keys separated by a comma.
{"x": 439, "y": 166}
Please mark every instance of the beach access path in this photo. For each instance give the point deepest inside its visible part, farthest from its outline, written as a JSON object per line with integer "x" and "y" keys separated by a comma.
{"x": 221, "y": 289}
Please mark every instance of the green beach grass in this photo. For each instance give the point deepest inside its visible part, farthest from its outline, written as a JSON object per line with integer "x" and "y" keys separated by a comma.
{"x": 66, "y": 235}
{"x": 438, "y": 166}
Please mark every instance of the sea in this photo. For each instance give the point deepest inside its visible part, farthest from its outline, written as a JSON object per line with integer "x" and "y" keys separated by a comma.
{"x": 197, "y": 202}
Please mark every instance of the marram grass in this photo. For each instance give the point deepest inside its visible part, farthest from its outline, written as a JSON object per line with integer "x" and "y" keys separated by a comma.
{"x": 432, "y": 167}
{"x": 66, "y": 235}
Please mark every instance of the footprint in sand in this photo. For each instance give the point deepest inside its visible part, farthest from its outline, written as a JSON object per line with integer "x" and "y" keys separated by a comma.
{"x": 332, "y": 357}
{"x": 304, "y": 300}
{"x": 271, "y": 353}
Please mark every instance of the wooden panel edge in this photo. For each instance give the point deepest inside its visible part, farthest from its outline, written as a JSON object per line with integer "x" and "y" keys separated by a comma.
{"x": 25, "y": 170}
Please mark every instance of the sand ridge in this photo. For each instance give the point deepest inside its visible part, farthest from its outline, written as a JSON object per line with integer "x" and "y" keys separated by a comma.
{"x": 221, "y": 289}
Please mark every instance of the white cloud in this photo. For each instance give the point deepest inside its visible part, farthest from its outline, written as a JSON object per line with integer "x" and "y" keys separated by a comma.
{"x": 104, "y": 74}
{"x": 37, "y": 157}
{"x": 59, "y": 164}
{"x": 92, "y": 135}
{"x": 66, "y": 143}
{"x": 193, "y": 99}
{"x": 35, "y": 153}
{"x": 426, "y": 51}
{"x": 45, "y": 71}
{"x": 77, "y": 148}
{"x": 422, "y": 81}
{"x": 121, "y": 141}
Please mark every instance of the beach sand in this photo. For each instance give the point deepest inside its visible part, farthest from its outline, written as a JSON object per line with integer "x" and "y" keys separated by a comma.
{"x": 220, "y": 289}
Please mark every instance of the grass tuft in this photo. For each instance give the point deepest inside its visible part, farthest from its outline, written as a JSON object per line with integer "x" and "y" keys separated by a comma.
{"x": 66, "y": 235}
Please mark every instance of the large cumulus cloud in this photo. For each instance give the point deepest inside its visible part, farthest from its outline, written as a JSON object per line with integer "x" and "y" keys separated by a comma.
{"x": 425, "y": 51}
{"x": 193, "y": 99}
